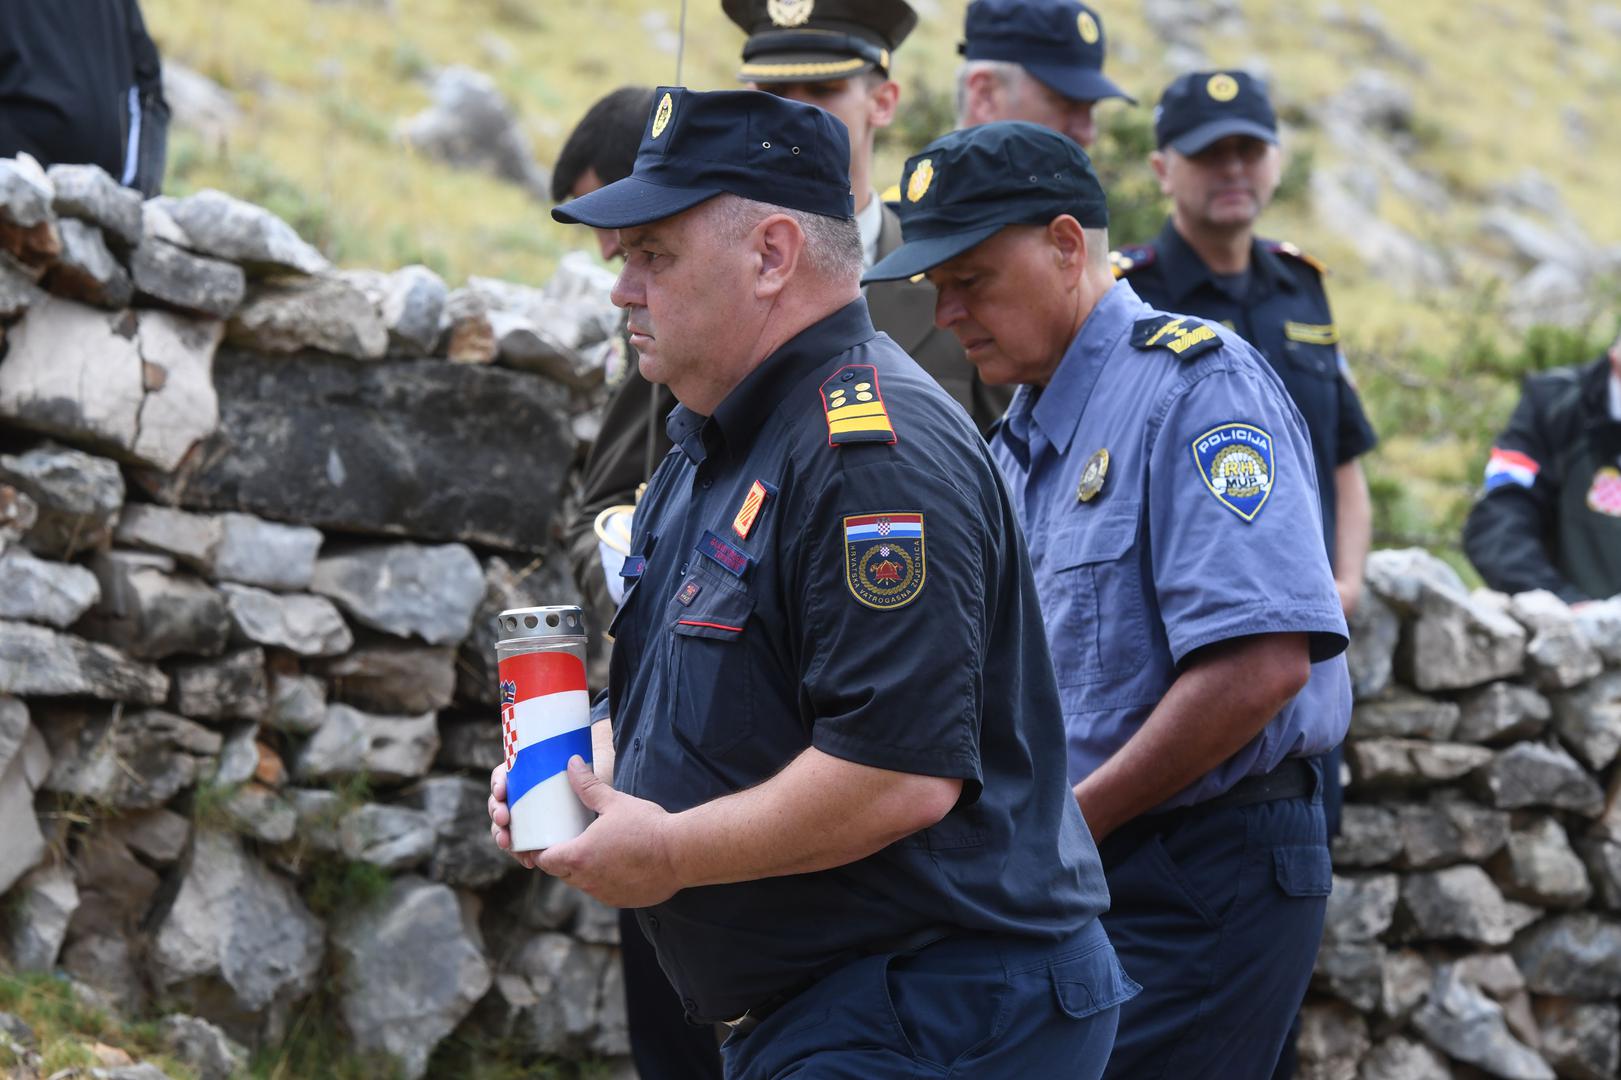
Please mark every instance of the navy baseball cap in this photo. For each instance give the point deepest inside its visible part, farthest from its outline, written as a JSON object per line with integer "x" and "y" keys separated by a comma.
{"x": 742, "y": 142}
{"x": 1060, "y": 42}
{"x": 818, "y": 40}
{"x": 1204, "y": 106}
{"x": 965, "y": 187}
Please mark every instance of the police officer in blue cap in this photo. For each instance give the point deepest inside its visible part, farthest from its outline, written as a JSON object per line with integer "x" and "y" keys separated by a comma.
{"x": 1034, "y": 60}
{"x": 837, "y": 794}
{"x": 1165, "y": 483}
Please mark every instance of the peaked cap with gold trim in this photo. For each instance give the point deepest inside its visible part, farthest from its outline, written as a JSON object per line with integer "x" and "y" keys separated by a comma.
{"x": 818, "y": 40}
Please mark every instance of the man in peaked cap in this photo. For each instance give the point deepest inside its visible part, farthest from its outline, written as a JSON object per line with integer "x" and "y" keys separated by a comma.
{"x": 1165, "y": 484}
{"x": 838, "y": 55}
{"x": 837, "y": 793}
{"x": 1038, "y": 61}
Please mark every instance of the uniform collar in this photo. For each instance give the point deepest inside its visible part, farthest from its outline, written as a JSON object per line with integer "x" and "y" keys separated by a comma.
{"x": 1185, "y": 271}
{"x": 739, "y": 418}
{"x": 1057, "y": 412}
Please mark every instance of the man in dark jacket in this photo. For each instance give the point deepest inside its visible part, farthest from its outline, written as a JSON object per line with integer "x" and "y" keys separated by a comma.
{"x": 81, "y": 83}
{"x": 1550, "y": 516}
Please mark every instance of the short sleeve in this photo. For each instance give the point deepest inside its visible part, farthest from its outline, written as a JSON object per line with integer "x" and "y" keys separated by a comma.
{"x": 892, "y": 563}
{"x": 1355, "y": 436}
{"x": 1234, "y": 521}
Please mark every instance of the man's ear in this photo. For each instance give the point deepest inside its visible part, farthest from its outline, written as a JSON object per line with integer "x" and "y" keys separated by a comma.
{"x": 779, "y": 244}
{"x": 881, "y": 103}
{"x": 1068, "y": 244}
{"x": 979, "y": 97}
{"x": 1162, "y": 168}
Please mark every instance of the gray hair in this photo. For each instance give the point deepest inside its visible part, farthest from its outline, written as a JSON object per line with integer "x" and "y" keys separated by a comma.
{"x": 1008, "y": 74}
{"x": 832, "y": 245}
{"x": 1097, "y": 249}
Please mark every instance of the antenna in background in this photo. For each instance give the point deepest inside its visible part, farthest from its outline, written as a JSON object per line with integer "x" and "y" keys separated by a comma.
{"x": 681, "y": 45}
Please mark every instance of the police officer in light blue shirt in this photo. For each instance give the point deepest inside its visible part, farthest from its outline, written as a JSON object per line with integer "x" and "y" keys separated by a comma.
{"x": 1165, "y": 484}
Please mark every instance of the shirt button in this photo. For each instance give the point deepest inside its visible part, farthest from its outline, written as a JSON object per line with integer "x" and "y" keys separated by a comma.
{"x": 636, "y": 743}
{"x": 709, "y": 483}
{"x": 689, "y": 1004}
{"x": 653, "y": 923}
{"x": 683, "y": 569}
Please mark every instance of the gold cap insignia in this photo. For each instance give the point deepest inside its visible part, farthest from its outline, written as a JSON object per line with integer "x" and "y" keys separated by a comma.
{"x": 789, "y": 12}
{"x": 922, "y": 177}
{"x": 661, "y": 118}
{"x": 1088, "y": 26}
{"x": 1222, "y": 87}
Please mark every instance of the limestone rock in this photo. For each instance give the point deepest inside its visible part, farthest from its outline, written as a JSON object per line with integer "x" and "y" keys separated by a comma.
{"x": 1360, "y": 908}
{"x": 299, "y": 622}
{"x": 1451, "y": 640}
{"x": 211, "y": 1053}
{"x": 1375, "y": 630}
{"x": 180, "y": 408}
{"x": 318, "y": 811}
{"x": 547, "y": 994}
{"x": 297, "y": 703}
{"x": 1404, "y": 984}
{"x": 505, "y": 587}
{"x": 423, "y": 449}
{"x": 1459, "y": 902}
{"x": 468, "y": 336}
{"x": 166, "y": 272}
{"x": 392, "y": 837}
{"x": 45, "y": 901}
{"x": 24, "y": 760}
{"x": 1603, "y": 860}
{"x": 126, "y": 761}
{"x": 413, "y": 967}
{"x": 394, "y": 678}
{"x": 36, "y": 661}
{"x": 1588, "y": 720}
{"x": 78, "y": 496}
{"x": 227, "y": 228}
{"x": 18, "y": 292}
{"x": 1412, "y": 762}
{"x": 1600, "y": 626}
{"x": 1351, "y": 971}
{"x": 27, "y": 226}
{"x": 87, "y": 192}
{"x": 237, "y": 940}
{"x": 1539, "y": 867}
{"x": 413, "y": 301}
{"x": 256, "y": 811}
{"x": 1469, "y": 1026}
{"x": 471, "y": 126}
{"x": 1401, "y": 1058}
{"x": 464, "y": 855}
{"x": 18, "y": 513}
{"x": 1558, "y": 656}
{"x": 405, "y": 589}
{"x": 191, "y": 539}
{"x": 1501, "y": 712}
{"x": 469, "y": 742}
{"x": 324, "y": 313}
{"x": 234, "y": 687}
{"x": 387, "y": 748}
{"x": 52, "y": 593}
{"x": 253, "y": 551}
{"x": 105, "y": 964}
{"x": 152, "y": 614}
{"x": 1332, "y": 1040}
{"x": 1576, "y": 955}
{"x": 1367, "y": 836}
{"x": 1404, "y": 715}
{"x": 158, "y": 836}
{"x": 239, "y": 757}
{"x": 86, "y": 270}
{"x": 200, "y": 104}
{"x": 1582, "y": 1040}
{"x": 1531, "y": 774}
{"x": 1447, "y": 831}
{"x": 115, "y": 890}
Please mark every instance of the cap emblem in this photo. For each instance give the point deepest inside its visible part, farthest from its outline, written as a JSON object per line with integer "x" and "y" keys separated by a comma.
{"x": 661, "y": 118}
{"x": 1088, "y": 26}
{"x": 789, "y": 12}
{"x": 922, "y": 177}
{"x": 1222, "y": 87}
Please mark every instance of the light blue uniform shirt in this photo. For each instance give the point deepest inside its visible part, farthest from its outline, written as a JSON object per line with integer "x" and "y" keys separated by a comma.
{"x": 1207, "y": 527}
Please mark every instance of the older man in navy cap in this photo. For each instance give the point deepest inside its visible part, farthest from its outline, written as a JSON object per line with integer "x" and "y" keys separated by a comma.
{"x": 1165, "y": 483}
{"x": 837, "y": 791}
{"x": 1039, "y": 61}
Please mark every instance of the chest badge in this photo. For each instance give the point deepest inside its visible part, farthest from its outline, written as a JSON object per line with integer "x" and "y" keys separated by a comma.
{"x": 883, "y": 559}
{"x": 1604, "y": 497}
{"x": 753, "y": 503}
{"x": 1236, "y": 463}
{"x": 1097, "y": 468}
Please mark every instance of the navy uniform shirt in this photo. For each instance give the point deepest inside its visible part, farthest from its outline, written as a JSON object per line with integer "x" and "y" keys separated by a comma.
{"x": 1283, "y": 312}
{"x": 1205, "y": 528}
{"x": 872, "y": 600}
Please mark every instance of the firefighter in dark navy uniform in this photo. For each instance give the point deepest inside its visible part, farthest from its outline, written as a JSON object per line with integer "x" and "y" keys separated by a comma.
{"x": 836, "y": 791}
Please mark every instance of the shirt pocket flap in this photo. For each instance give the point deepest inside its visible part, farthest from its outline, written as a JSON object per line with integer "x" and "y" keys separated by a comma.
{"x": 717, "y": 612}
{"x": 1303, "y": 870}
{"x": 1093, "y": 537}
{"x": 1088, "y": 984}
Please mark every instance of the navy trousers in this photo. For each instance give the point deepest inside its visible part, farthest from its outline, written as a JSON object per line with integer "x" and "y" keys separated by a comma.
{"x": 662, "y": 1043}
{"x": 980, "y": 1007}
{"x": 1218, "y": 913}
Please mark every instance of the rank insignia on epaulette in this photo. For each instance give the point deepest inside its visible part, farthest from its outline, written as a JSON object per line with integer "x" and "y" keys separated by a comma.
{"x": 1311, "y": 333}
{"x": 749, "y": 512}
{"x": 855, "y": 407}
{"x": 1236, "y": 463}
{"x": 1183, "y": 336}
{"x": 883, "y": 558}
{"x": 1283, "y": 247}
{"x": 1127, "y": 259}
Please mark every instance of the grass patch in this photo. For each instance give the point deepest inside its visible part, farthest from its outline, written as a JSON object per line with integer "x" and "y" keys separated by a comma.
{"x": 67, "y": 1028}
{"x": 335, "y": 886}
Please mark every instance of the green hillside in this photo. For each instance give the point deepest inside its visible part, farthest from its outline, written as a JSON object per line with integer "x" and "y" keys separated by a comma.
{"x": 1496, "y": 88}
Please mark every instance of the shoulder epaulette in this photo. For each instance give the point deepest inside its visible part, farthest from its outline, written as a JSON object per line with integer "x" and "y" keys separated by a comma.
{"x": 1182, "y": 335}
{"x": 1283, "y": 247}
{"x": 855, "y": 407}
{"x": 891, "y": 195}
{"x": 1132, "y": 257}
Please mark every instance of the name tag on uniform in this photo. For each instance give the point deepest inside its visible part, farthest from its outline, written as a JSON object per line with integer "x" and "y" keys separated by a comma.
{"x": 724, "y": 555}
{"x": 1311, "y": 333}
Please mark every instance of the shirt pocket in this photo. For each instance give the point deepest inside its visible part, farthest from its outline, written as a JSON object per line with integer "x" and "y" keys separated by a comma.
{"x": 1096, "y": 628}
{"x": 712, "y": 697}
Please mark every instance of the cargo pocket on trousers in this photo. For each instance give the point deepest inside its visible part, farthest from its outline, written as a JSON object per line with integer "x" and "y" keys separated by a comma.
{"x": 1303, "y": 870}
{"x": 1086, "y": 985}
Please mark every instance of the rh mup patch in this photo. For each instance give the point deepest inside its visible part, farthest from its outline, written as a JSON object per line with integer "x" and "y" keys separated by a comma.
{"x": 883, "y": 558}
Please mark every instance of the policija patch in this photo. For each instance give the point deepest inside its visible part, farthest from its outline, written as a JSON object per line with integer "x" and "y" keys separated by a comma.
{"x": 1236, "y": 463}
{"x": 883, "y": 558}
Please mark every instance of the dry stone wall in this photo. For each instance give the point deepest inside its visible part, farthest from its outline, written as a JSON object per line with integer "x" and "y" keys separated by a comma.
{"x": 256, "y": 517}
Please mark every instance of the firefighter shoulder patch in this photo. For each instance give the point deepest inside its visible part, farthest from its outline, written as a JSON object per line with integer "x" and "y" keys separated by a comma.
{"x": 883, "y": 559}
{"x": 1181, "y": 335}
